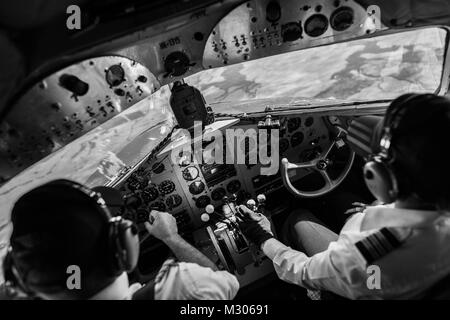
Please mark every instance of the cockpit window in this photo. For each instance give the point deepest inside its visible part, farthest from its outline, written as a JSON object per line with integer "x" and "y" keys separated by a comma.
{"x": 99, "y": 156}
{"x": 375, "y": 68}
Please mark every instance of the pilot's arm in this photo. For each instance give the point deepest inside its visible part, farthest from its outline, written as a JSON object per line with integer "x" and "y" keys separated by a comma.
{"x": 193, "y": 276}
{"x": 339, "y": 269}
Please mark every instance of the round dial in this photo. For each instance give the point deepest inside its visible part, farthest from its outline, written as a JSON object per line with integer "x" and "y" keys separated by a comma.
{"x": 233, "y": 186}
{"x": 293, "y": 124}
{"x": 150, "y": 194}
{"x": 166, "y": 187}
{"x": 158, "y": 205}
{"x": 297, "y": 138}
{"x": 202, "y": 201}
{"x": 316, "y": 25}
{"x": 190, "y": 173}
{"x": 342, "y": 18}
{"x": 174, "y": 200}
{"x": 133, "y": 184}
{"x": 218, "y": 194}
{"x": 309, "y": 121}
{"x": 196, "y": 187}
{"x": 158, "y": 167}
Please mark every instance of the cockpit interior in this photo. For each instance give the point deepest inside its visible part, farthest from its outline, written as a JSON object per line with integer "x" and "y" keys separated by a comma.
{"x": 111, "y": 102}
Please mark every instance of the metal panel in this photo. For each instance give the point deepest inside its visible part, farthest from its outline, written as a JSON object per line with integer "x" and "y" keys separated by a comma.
{"x": 261, "y": 28}
{"x": 66, "y": 105}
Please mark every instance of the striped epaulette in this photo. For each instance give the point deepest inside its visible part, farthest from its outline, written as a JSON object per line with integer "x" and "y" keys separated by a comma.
{"x": 378, "y": 244}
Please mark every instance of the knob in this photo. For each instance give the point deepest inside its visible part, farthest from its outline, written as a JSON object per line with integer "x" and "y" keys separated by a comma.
{"x": 251, "y": 203}
{"x": 209, "y": 209}
{"x": 261, "y": 198}
{"x": 204, "y": 217}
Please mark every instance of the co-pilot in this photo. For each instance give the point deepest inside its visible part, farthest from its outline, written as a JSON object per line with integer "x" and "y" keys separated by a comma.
{"x": 406, "y": 240}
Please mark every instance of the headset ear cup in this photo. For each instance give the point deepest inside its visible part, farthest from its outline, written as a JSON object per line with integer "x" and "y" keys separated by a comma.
{"x": 380, "y": 181}
{"x": 130, "y": 244}
{"x": 124, "y": 240}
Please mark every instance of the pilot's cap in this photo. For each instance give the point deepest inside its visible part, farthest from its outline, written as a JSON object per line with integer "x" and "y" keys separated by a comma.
{"x": 56, "y": 226}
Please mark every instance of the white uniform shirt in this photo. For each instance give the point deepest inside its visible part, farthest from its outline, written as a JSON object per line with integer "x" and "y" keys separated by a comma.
{"x": 406, "y": 272}
{"x": 178, "y": 281}
{"x": 189, "y": 281}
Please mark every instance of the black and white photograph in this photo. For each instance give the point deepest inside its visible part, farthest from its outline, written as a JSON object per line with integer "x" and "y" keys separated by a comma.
{"x": 253, "y": 153}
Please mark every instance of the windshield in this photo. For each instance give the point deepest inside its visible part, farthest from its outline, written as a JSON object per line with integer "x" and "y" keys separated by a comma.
{"x": 97, "y": 157}
{"x": 368, "y": 69}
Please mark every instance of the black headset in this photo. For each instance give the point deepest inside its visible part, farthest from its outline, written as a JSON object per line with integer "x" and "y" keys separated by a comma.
{"x": 123, "y": 241}
{"x": 379, "y": 174}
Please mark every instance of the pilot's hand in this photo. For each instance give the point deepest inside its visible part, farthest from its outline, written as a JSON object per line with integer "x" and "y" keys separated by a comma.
{"x": 255, "y": 226}
{"x": 357, "y": 207}
{"x": 161, "y": 225}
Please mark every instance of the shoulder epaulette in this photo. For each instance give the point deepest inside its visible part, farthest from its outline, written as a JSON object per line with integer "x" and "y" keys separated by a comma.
{"x": 378, "y": 244}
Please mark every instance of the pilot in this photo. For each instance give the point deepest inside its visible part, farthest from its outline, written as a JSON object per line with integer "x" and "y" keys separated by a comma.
{"x": 66, "y": 244}
{"x": 397, "y": 249}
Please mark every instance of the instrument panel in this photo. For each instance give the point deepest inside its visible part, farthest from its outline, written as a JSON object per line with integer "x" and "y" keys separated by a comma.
{"x": 186, "y": 187}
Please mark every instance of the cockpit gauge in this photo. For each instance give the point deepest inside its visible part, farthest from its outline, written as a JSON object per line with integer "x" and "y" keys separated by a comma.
{"x": 190, "y": 173}
{"x": 342, "y": 18}
{"x": 115, "y": 75}
{"x": 309, "y": 121}
{"x": 196, "y": 187}
{"x": 173, "y": 201}
{"x": 218, "y": 194}
{"x": 234, "y": 186}
{"x": 150, "y": 194}
{"x": 297, "y": 139}
{"x": 166, "y": 187}
{"x": 293, "y": 124}
{"x": 316, "y": 25}
{"x": 202, "y": 201}
{"x": 158, "y": 168}
{"x": 133, "y": 184}
{"x": 158, "y": 205}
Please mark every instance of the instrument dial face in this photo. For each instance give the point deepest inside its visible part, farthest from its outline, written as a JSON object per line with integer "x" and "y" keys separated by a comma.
{"x": 196, "y": 187}
{"x": 166, "y": 187}
{"x": 190, "y": 173}
{"x": 316, "y": 25}
{"x": 309, "y": 121}
{"x": 202, "y": 201}
{"x": 174, "y": 201}
{"x": 158, "y": 168}
{"x": 150, "y": 194}
{"x": 297, "y": 138}
{"x": 293, "y": 124}
{"x": 158, "y": 205}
